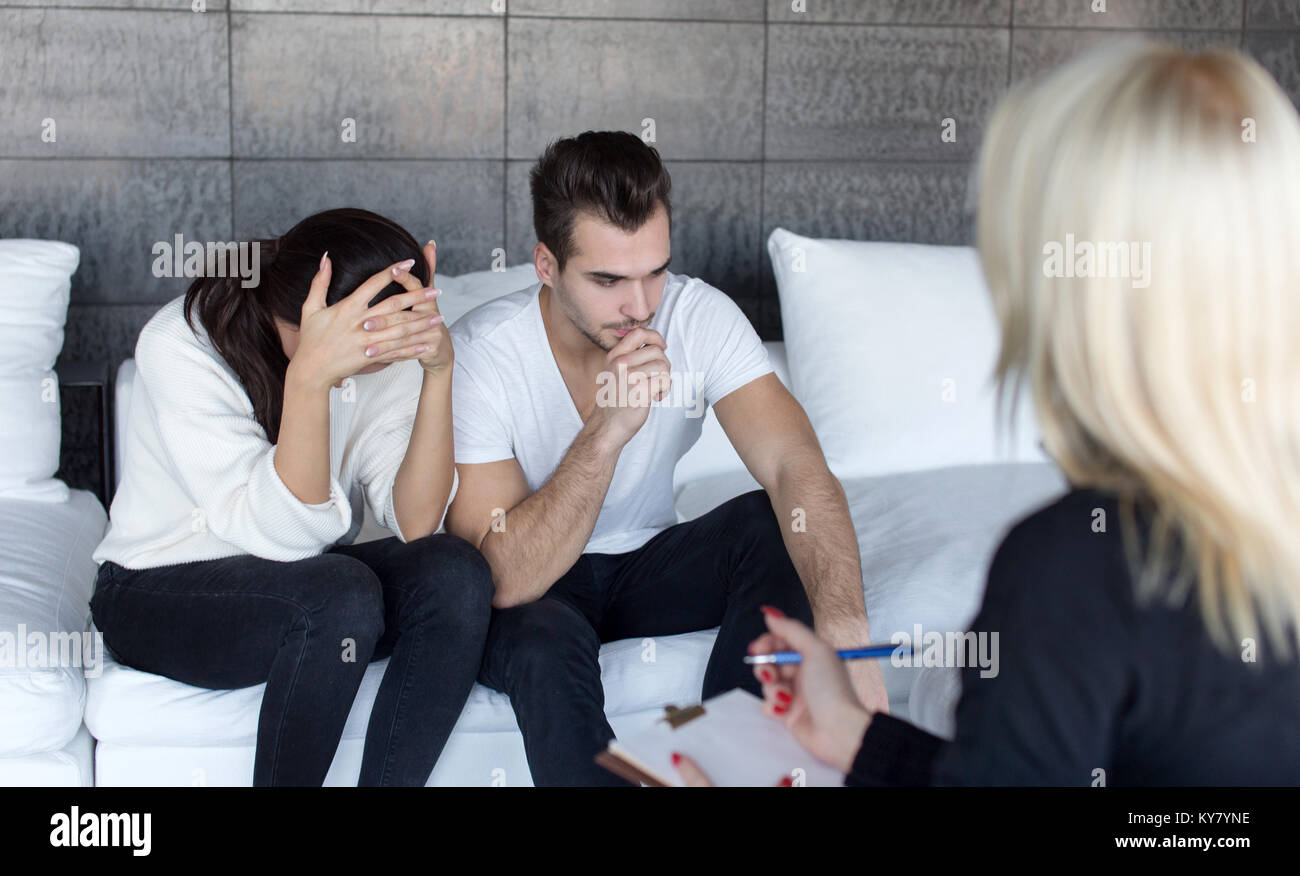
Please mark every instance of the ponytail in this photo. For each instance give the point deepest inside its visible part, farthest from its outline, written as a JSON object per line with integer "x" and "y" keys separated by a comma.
{"x": 241, "y": 327}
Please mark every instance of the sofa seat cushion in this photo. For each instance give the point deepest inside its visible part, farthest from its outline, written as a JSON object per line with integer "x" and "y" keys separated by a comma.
{"x": 46, "y": 577}
{"x": 926, "y": 539}
{"x": 128, "y": 707}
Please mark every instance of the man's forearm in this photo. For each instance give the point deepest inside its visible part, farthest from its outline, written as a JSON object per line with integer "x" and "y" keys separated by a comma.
{"x": 819, "y": 537}
{"x": 424, "y": 479}
{"x": 539, "y": 539}
{"x": 818, "y": 533}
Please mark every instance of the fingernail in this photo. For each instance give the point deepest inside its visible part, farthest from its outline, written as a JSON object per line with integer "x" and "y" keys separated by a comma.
{"x": 435, "y": 320}
{"x": 421, "y": 349}
{"x": 368, "y": 353}
{"x": 431, "y": 243}
{"x": 766, "y": 675}
{"x": 772, "y": 612}
{"x": 323, "y": 258}
{"x": 432, "y": 293}
{"x": 368, "y": 324}
{"x": 783, "y": 697}
{"x": 780, "y": 708}
{"x": 677, "y": 758}
{"x": 787, "y": 782}
{"x": 403, "y": 266}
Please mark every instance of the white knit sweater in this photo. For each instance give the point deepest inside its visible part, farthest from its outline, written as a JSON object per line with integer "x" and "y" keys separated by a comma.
{"x": 199, "y": 479}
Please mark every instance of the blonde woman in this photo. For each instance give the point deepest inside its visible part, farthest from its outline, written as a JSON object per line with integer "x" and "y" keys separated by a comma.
{"x": 1147, "y": 620}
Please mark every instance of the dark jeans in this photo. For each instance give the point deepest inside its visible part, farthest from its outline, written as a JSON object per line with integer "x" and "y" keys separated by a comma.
{"x": 714, "y": 570}
{"x": 308, "y": 629}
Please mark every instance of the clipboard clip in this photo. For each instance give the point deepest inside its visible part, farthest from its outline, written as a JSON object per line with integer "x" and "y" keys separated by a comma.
{"x": 677, "y": 717}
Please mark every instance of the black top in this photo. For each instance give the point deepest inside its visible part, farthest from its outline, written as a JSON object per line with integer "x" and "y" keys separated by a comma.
{"x": 1089, "y": 680}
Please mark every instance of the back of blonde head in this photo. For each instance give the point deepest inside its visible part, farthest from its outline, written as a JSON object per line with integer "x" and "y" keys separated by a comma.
{"x": 1177, "y": 380}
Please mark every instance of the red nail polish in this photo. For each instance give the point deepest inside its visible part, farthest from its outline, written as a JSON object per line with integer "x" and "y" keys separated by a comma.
{"x": 767, "y": 675}
{"x": 783, "y": 697}
{"x": 780, "y": 708}
{"x": 787, "y": 782}
{"x": 774, "y": 612}
{"x": 677, "y": 758}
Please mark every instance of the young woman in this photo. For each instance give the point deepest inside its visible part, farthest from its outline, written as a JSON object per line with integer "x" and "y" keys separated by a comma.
{"x": 1148, "y": 620}
{"x": 263, "y": 420}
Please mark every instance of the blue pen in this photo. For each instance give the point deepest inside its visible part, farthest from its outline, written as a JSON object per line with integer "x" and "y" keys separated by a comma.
{"x": 844, "y": 654}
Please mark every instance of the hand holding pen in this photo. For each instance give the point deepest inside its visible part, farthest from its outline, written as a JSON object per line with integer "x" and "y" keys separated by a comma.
{"x": 811, "y": 693}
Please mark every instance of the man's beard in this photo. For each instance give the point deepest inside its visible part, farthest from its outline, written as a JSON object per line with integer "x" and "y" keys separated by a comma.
{"x": 587, "y": 332}
{"x": 594, "y": 338}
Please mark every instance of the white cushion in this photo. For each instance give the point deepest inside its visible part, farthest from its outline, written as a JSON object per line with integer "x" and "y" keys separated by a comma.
{"x": 925, "y": 538}
{"x": 30, "y": 438}
{"x": 46, "y": 579}
{"x": 122, "y": 385}
{"x": 35, "y": 279}
{"x": 70, "y": 766}
{"x": 35, "y": 283}
{"x": 128, "y": 707}
{"x": 463, "y": 293}
{"x": 932, "y": 705}
{"x": 891, "y": 349}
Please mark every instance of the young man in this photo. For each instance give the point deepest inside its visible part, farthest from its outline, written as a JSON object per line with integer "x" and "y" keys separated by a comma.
{"x": 566, "y": 466}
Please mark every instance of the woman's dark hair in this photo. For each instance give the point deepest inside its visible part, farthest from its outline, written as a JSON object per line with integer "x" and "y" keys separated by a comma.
{"x": 240, "y": 321}
{"x": 612, "y": 174}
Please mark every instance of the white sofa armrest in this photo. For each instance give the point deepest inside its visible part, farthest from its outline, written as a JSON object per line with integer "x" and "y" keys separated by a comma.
{"x": 932, "y": 703}
{"x": 121, "y": 405}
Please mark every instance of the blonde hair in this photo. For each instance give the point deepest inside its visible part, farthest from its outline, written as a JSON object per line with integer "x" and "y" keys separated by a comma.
{"x": 1182, "y": 388}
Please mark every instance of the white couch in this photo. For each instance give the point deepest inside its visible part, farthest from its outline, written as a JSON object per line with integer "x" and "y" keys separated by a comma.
{"x": 929, "y": 508}
{"x": 155, "y": 731}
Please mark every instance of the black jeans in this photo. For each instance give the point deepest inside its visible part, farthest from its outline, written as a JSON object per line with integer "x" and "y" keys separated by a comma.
{"x": 714, "y": 570}
{"x": 308, "y": 629}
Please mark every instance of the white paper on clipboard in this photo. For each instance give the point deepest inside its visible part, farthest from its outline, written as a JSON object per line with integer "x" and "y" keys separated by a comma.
{"x": 733, "y": 742}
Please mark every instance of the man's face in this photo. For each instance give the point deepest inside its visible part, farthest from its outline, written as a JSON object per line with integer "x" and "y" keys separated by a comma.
{"x": 614, "y": 280}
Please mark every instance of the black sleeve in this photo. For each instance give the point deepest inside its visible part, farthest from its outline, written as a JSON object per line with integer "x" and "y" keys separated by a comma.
{"x": 894, "y": 753}
{"x": 1046, "y": 713}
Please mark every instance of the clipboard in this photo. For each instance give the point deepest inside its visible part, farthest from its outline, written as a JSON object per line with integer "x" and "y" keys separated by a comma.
{"x": 728, "y": 736}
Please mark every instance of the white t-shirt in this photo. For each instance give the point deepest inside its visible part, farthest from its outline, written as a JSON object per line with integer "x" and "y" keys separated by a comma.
{"x": 199, "y": 480}
{"x": 510, "y": 399}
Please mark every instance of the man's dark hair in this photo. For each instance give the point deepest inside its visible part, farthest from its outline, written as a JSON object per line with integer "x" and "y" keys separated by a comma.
{"x": 611, "y": 174}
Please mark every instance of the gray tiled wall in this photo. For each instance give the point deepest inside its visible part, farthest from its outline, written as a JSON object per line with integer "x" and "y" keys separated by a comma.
{"x": 823, "y": 116}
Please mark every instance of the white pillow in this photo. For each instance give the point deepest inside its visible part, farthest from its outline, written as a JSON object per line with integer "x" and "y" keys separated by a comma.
{"x": 462, "y": 294}
{"x": 35, "y": 279}
{"x": 891, "y": 349}
{"x": 30, "y": 437}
